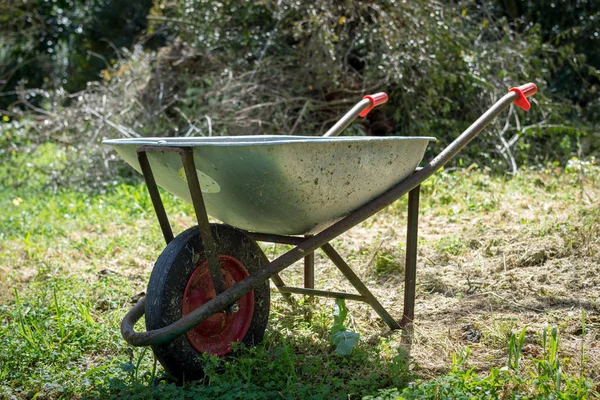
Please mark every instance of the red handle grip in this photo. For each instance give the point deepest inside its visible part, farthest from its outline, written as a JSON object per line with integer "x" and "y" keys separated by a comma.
{"x": 524, "y": 91}
{"x": 528, "y": 89}
{"x": 376, "y": 99}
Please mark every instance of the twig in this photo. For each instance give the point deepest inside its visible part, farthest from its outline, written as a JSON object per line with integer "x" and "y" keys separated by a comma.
{"x": 191, "y": 125}
{"x": 464, "y": 172}
{"x": 376, "y": 251}
{"x": 112, "y": 46}
{"x": 123, "y": 129}
{"x": 39, "y": 110}
{"x": 300, "y": 115}
{"x": 167, "y": 19}
{"x": 209, "y": 123}
{"x": 193, "y": 128}
{"x": 506, "y": 151}
{"x": 183, "y": 115}
{"x": 99, "y": 56}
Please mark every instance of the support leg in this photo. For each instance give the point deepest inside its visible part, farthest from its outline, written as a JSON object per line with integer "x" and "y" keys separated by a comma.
{"x": 410, "y": 277}
{"x": 309, "y": 280}
{"x": 359, "y": 285}
{"x": 159, "y": 208}
{"x": 279, "y": 284}
{"x": 309, "y": 270}
{"x": 210, "y": 249}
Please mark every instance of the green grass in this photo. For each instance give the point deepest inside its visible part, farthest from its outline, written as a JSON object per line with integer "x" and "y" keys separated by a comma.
{"x": 388, "y": 262}
{"x": 543, "y": 379}
{"x": 451, "y": 245}
{"x": 70, "y": 263}
{"x": 60, "y": 337}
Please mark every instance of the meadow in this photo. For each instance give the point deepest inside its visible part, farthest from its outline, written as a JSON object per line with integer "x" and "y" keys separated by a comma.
{"x": 508, "y": 285}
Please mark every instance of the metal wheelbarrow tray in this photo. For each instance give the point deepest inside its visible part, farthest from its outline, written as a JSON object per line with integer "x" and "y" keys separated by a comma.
{"x": 210, "y": 286}
{"x": 288, "y": 185}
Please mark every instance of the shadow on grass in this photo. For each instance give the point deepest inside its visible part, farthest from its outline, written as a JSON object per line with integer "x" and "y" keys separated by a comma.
{"x": 294, "y": 361}
{"x": 485, "y": 303}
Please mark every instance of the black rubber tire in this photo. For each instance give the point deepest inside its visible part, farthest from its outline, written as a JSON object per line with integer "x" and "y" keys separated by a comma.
{"x": 167, "y": 284}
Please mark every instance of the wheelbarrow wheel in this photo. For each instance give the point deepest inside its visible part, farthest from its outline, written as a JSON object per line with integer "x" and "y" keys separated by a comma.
{"x": 181, "y": 282}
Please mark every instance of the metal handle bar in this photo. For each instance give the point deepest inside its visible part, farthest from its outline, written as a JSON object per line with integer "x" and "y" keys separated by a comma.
{"x": 361, "y": 109}
{"x": 309, "y": 245}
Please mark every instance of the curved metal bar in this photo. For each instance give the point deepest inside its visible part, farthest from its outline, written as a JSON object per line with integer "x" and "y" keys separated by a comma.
{"x": 348, "y": 118}
{"x": 311, "y": 244}
{"x": 131, "y": 318}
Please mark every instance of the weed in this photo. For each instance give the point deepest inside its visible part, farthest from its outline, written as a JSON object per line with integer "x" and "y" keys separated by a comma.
{"x": 550, "y": 376}
{"x": 451, "y": 245}
{"x": 546, "y": 378}
{"x": 388, "y": 263}
{"x": 515, "y": 346}
{"x": 344, "y": 340}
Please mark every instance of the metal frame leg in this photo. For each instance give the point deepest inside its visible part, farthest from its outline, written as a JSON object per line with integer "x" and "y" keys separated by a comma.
{"x": 187, "y": 159}
{"x": 210, "y": 248}
{"x": 410, "y": 275}
{"x": 309, "y": 270}
{"x": 359, "y": 285}
{"x": 159, "y": 207}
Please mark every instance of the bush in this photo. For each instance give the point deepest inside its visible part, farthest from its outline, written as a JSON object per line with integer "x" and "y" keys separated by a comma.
{"x": 441, "y": 63}
{"x": 59, "y": 144}
{"x": 283, "y": 67}
{"x": 63, "y": 43}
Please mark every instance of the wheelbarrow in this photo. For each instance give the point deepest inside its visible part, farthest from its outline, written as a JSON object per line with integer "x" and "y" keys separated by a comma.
{"x": 209, "y": 289}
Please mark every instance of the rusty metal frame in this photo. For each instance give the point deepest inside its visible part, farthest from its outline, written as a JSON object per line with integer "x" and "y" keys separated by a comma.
{"x": 309, "y": 270}
{"x": 303, "y": 246}
{"x": 210, "y": 249}
{"x": 410, "y": 270}
{"x": 208, "y": 242}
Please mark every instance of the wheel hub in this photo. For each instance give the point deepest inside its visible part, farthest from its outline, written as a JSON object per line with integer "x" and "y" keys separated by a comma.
{"x": 216, "y": 334}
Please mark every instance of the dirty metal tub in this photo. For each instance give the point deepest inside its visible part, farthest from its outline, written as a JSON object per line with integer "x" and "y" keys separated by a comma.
{"x": 287, "y": 185}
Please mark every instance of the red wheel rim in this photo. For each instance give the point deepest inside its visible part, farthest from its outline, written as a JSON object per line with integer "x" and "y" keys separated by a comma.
{"x": 216, "y": 334}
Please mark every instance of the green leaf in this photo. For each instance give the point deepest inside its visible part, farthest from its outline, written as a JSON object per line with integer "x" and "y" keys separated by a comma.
{"x": 340, "y": 313}
{"x": 345, "y": 342}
